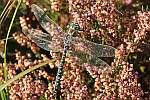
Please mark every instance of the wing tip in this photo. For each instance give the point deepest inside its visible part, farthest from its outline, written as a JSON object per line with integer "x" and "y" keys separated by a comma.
{"x": 34, "y": 6}
{"x": 25, "y": 30}
{"x": 38, "y": 12}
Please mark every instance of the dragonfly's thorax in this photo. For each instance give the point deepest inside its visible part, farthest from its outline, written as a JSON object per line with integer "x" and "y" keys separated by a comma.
{"x": 68, "y": 39}
{"x": 73, "y": 27}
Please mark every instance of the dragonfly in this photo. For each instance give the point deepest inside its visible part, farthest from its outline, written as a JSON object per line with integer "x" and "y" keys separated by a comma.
{"x": 83, "y": 52}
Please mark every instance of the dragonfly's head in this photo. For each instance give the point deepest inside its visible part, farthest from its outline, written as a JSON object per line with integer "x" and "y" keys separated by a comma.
{"x": 74, "y": 26}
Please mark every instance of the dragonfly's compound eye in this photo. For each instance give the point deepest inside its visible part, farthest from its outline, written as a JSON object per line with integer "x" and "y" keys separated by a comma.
{"x": 75, "y": 26}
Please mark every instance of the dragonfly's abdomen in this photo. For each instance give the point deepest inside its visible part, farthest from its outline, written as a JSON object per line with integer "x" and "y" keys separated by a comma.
{"x": 60, "y": 69}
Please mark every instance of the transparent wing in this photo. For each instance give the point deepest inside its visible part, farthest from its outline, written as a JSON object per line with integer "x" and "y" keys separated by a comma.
{"x": 80, "y": 57}
{"x": 92, "y": 48}
{"x": 53, "y": 29}
{"x": 89, "y": 61}
{"x": 43, "y": 40}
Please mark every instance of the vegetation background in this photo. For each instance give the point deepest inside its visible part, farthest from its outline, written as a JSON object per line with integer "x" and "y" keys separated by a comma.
{"x": 123, "y": 24}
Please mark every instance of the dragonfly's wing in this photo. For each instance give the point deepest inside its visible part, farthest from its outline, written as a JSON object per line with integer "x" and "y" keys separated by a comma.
{"x": 89, "y": 61}
{"x": 53, "y": 29}
{"x": 86, "y": 53}
{"x": 92, "y": 48}
{"x": 43, "y": 40}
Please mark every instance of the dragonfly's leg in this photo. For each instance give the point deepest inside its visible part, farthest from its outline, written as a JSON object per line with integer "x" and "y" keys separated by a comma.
{"x": 59, "y": 73}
